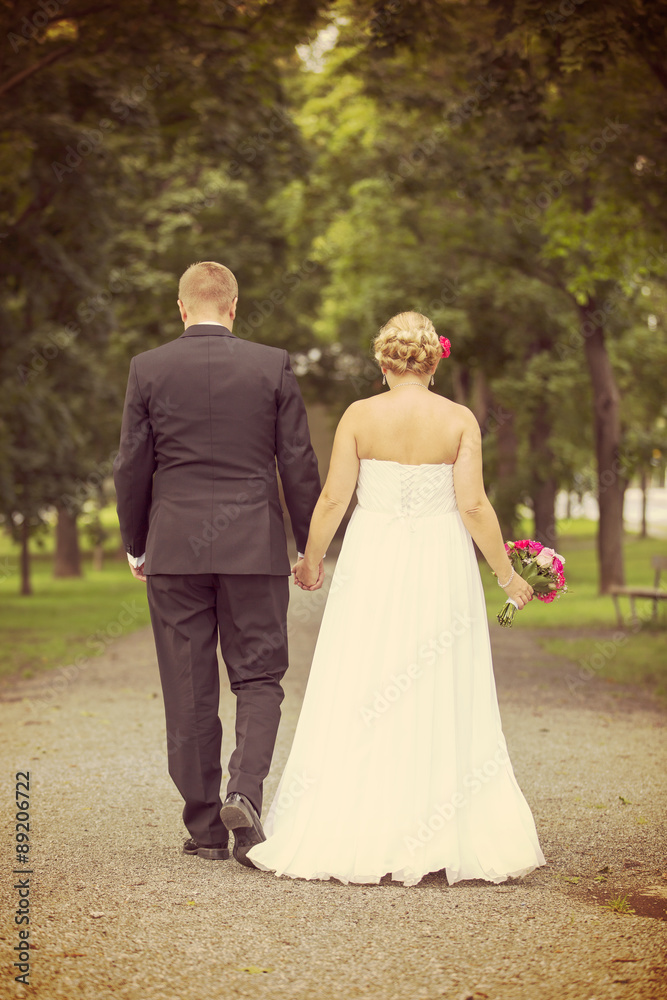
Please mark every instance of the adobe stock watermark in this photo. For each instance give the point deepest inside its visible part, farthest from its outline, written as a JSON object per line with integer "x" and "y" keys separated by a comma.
{"x": 254, "y": 145}
{"x": 31, "y": 26}
{"x": 383, "y": 15}
{"x": 553, "y": 188}
{"x": 142, "y": 761}
{"x": 444, "y": 812}
{"x": 256, "y": 486}
{"x": 291, "y": 792}
{"x": 409, "y": 163}
{"x": 97, "y": 642}
{"x": 263, "y": 309}
{"x": 60, "y": 340}
{"x": 655, "y": 259}
{"x": 231, "y": 6}
{"x": 621, "y": 468}
{"x": 556, "y": 18}
{"x": 301, "y": 614}
{"x": 393, "y": 691}
{"x": 604, "y": 651}
{"x": 92, "y": 486}
{"x": 93, "y": 139}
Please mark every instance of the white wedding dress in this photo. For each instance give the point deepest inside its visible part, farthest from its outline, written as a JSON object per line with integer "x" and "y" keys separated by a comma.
{"x": 399, "y": 764}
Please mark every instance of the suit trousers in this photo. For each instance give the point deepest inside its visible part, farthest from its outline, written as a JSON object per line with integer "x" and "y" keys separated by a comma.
{"x": 249, "y": 614}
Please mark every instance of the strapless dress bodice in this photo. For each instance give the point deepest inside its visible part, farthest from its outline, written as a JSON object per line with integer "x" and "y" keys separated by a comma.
{"x": 406, "y": 490}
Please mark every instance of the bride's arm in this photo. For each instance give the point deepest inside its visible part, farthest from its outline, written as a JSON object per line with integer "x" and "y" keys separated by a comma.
{"x": 477, "y": 513}
{"x": 336, "y": 493}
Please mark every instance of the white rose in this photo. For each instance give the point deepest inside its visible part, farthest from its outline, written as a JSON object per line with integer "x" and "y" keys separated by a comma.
{"x": 545, "y": 558}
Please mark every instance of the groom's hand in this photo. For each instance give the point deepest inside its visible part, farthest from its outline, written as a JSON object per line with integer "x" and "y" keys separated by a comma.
{"x": 307, "y": 577}
{"x": 138, "y": 572}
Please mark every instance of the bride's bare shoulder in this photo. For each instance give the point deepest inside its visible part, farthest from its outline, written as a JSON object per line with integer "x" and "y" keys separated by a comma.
{"x": 364, "y": 406}
{"x": 456, "y": 410}
{"x": 354, "y": 414}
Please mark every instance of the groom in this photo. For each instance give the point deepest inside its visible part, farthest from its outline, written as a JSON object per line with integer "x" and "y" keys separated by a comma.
{"x": 206, "y": 418}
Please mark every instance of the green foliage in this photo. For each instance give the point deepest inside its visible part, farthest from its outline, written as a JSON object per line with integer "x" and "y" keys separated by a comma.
{"x": 132, "y": 143}
{"x": 494, "y": 165}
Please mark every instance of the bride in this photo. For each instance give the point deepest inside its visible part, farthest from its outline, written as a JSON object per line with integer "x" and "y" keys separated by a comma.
{"x": 399, "y": 764}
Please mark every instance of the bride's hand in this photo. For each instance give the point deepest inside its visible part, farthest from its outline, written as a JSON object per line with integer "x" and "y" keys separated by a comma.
{"x": 519, "y": 591}
{"x": 308, "y": 577}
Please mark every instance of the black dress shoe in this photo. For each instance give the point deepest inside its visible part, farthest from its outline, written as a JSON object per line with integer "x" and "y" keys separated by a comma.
{"x": 214, "y": 852}
{"x": 238, "y": 814}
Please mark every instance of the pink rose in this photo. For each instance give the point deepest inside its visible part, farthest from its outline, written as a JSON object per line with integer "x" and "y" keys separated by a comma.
{"x": 547, "y": 598}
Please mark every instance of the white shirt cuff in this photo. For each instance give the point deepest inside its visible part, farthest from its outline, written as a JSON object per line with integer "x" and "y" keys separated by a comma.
{"x": 136, "y": 561}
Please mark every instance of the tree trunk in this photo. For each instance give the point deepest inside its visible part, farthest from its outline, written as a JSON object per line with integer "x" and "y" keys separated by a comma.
{"x": 544, "y": 512}
{"x": 68, "y": 556}
{"x": 26, "y": 586}
{"x": 545, "y": 487}
{"x": 643, "y": 483}
{"x": 481, "y": 401}
{"x": 98, "y": 557}
{"x": 505, "y": 498}
{"x": 607, "y": 424}
{"x": 460, "y": 384}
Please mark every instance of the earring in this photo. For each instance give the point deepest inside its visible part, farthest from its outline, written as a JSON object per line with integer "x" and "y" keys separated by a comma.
{"x": 384, "y": 379}
{"x": 432, "y": 380}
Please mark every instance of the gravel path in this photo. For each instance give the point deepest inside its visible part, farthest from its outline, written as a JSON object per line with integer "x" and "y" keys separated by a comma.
{"x": 118, "y": 911}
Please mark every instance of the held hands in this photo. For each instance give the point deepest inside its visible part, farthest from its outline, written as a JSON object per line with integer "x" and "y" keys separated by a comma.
{"x": 138, "y": 572}
{"x": 307, "y": 576}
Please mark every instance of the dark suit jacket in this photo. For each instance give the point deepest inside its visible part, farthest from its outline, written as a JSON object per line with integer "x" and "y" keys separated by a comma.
{"x": 205, "y": 418}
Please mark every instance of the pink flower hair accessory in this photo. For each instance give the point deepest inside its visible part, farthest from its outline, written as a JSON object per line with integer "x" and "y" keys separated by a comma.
{"x": 446, "y": 347}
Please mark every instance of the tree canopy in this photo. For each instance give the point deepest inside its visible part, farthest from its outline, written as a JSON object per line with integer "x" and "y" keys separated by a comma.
{"x": 497, "y": 165}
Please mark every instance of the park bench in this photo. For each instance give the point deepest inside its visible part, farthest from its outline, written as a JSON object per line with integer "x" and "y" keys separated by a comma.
{"x": 654, "y": 593}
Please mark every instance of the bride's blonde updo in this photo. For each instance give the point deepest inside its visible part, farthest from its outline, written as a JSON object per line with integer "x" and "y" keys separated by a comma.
{"x": 408, "y": 342}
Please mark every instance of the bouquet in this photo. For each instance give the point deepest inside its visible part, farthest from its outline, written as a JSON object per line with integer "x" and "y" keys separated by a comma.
{"x": 539, "y": 566}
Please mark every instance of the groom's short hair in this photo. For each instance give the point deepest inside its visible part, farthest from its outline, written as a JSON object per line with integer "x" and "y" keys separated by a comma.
{"x": 207, "y": 285}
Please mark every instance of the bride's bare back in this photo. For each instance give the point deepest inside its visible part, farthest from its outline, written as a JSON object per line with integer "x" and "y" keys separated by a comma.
{"x": 409, "y": 424}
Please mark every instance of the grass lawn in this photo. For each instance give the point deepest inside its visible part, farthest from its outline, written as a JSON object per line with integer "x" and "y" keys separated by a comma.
{"x": 66, "y": 619}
